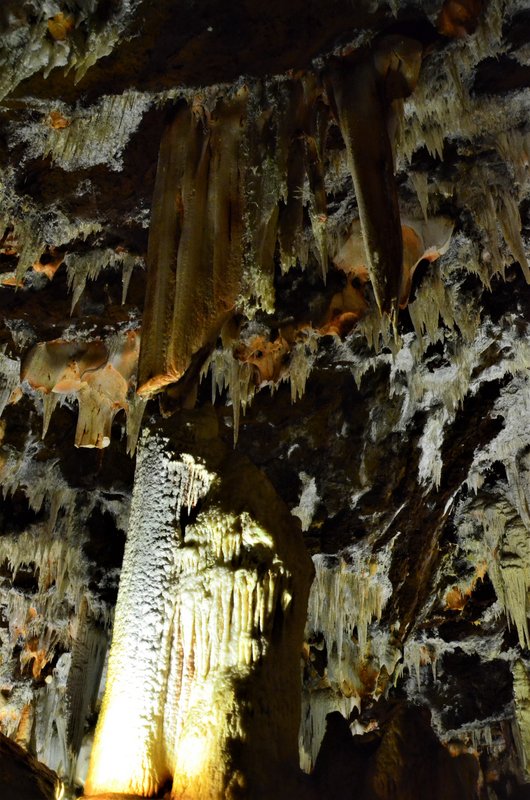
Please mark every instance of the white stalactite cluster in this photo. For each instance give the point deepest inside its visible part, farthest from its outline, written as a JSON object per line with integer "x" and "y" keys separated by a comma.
{"x": 56, "y": 620}
{"x": 82, "y": 138}
{"x": 346, "y": 602}
{"x": 493, "y": 533}
{"x": 44, "y": 37}
{"x": 81, "y": 268}
{"x": 32, "y": 231}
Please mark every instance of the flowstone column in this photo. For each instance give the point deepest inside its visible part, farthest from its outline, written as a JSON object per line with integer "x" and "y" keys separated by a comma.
{"x": 204, "y": 672}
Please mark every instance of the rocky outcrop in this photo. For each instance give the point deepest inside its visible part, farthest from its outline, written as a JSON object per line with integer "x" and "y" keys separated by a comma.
{"x": 22, "y": 777}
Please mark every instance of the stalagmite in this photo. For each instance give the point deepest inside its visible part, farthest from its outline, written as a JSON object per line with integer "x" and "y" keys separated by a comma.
{"x": 222, "y": 599}
{"x": 521, "y": 692}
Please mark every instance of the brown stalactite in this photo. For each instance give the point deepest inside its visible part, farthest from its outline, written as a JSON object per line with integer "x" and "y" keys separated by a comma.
{"x": 195, "y": 241}
{"x": 363, "y": 121}
{"x": 362, "y": 94}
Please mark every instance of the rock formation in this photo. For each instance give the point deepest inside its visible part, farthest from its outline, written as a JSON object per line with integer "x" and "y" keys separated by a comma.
{"x": 284, "y": 249}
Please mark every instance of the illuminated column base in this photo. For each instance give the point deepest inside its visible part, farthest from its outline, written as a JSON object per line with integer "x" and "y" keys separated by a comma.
{"x": 204, "y": 672}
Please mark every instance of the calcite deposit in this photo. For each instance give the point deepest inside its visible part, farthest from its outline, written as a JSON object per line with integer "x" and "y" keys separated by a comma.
{"x": 265, "y": 399}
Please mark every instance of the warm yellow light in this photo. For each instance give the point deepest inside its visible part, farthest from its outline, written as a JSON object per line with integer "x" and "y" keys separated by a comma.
{"x": 119, "y": 761}
{"x": 193, "y": 752}
{"x": 193, "y": 669}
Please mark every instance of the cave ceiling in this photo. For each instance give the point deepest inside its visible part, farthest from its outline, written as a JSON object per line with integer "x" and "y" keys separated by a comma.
{"x": 401, "y": 440}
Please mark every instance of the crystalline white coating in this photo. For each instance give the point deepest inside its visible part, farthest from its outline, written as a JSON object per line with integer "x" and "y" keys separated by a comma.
{"x": 9, "y": 379}
{"x": 95, "y": 135}
{"x": 346, "y": 601}
{"x": 308, "y": 502}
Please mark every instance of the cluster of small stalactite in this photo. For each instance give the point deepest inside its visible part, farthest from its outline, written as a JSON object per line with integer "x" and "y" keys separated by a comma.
{"x": 244, "y": 182}
{"x": 49, "y": 35}
{"x": 346, "y": 603}
{"x": 54, "y": 642}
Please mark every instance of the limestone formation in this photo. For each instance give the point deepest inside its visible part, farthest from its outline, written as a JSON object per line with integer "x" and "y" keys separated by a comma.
{"x": 222, "y": 601}
{"x": 284, "y": 246}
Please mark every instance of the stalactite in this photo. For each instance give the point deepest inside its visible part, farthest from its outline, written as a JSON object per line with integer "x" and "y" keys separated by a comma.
{"x": 48, "y": 42}
{"x": 507, "y": 556}
{"x": 420, "y": 182}
{"x": 243, "y": 176}
{"x": 231, "y": 189}
{"x": 224, "y": 599}
{"x": 84, "y": 675}
{"x": 315, "y": 153}
{"x": 521, "y": 691}
{"x": 58, "y": 622}
{"x": 510, "y": 220}
{"x": 248, "y": 366}
{"x": 93, "y": 136}
{"x": 266, "y": 177}
{"x": 32, "y": 231}
{"x": 195, "y": 243}
{"x": 80, "y": 268}
{"x": 99, "y": 375}
{"x": 371, "y": 84}
{"x": 9, "y": 379}
{"x": 514, "y": 149}
{"x": 51, "y": 740}
{"x": 347, "y": 599}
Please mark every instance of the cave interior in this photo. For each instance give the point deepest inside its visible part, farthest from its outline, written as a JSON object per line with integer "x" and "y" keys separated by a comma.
{"x": 265, "y": 399}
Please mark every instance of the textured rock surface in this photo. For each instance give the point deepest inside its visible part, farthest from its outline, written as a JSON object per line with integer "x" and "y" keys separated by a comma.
{"x": 222, "y": 598}
{"x": 403, "y": 450}
{"x": 22, "y": 777}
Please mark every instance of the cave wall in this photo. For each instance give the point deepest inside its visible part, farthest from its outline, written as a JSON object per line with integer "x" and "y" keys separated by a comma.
{"x": 401, "y": 442}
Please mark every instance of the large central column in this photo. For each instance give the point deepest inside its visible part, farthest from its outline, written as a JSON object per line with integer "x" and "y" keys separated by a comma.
{"x": 204, "y": 672}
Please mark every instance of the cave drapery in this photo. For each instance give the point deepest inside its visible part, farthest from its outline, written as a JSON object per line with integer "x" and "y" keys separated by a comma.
{"x": 265, "y": 399}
